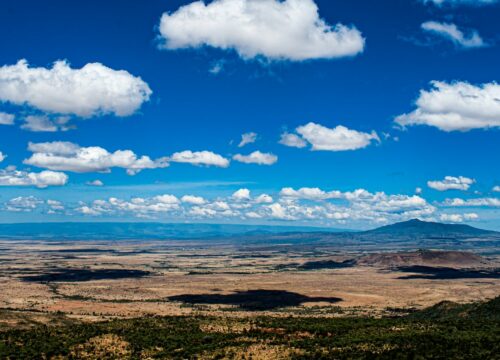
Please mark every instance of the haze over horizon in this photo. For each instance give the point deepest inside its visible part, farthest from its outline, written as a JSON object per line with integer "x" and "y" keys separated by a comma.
{"x": 341, "y": 114}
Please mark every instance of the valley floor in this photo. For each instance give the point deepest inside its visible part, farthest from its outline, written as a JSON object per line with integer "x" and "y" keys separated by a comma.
{"x": 92, "y": 280}
{"x": 199, "y": 299}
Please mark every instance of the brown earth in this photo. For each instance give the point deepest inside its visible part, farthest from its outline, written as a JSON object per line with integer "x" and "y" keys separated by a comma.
{"x": 99, "y": 280}
{"x": 457, "y": 259}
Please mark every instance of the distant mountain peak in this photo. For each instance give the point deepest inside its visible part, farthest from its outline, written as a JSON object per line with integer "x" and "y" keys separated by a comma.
{"x": 420, "y": 228}
{"x": 414, "y": 221}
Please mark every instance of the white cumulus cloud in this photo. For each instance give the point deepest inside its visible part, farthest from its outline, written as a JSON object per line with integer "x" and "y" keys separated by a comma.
{"x": 257, "y": 157}
{"x": 457, "y": 106}
{"x": 453, "y": 33}
{"x": 278, "y": 211}
{"x": 194, "y": 200}
{"x": 2, "y": 156}
{"x": 451, "y": 183}
{"x": 67, "y": 156}
{"x": 277, "y": 30}
{"x": 241, "y": 194}
{"x": 339, "y": 138}
{"x": 90, "y": 91}
{"x": 200, "y": 158}
{"x": 13, "y": 177}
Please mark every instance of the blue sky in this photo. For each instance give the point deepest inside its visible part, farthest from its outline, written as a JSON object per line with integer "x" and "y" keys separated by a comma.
{"x": 197, "y": 80}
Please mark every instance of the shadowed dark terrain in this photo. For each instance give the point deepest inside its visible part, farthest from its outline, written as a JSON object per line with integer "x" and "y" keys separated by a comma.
{"x": 440, "y": 273}
{"x": 75, "y": 275}
{"x": 327, "y": 264}
{"x": 253, "y": 300}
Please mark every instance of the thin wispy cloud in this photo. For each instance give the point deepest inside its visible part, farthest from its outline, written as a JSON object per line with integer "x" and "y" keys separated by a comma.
{"x": 449, "y": 31}
{"x": 247, "y": 138}
{"x": 460, "y": 2}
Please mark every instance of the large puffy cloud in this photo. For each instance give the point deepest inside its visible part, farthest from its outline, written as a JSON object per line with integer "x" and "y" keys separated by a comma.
{"x": 339, "y": 138}
{"x": 457, "y": 106}
{"x": 206, "y": 158}
{"x": 13, "y": 177}
{"x": 92, "y": 90}
{"x": 453, "y": 33}
{"x": 451, "y": 183}
{"x": 257, "y": 157}
{"x": 6, "y": 119}
{"x": 278, "y": 30}
{"x": 67, "y": 156}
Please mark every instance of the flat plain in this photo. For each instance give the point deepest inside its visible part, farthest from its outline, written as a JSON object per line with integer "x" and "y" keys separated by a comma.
{"x": 95, "y": 280}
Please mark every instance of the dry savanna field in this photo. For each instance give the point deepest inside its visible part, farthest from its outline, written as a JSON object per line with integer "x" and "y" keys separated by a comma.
{"x": 96, "y": 280}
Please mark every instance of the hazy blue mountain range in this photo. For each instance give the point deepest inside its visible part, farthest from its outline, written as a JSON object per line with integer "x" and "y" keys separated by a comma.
{"x": 119, "y": 230}
{"x": 413, "y": 229}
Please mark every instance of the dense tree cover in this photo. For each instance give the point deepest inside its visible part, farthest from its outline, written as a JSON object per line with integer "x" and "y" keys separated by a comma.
{"x": 444, "y": 331}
